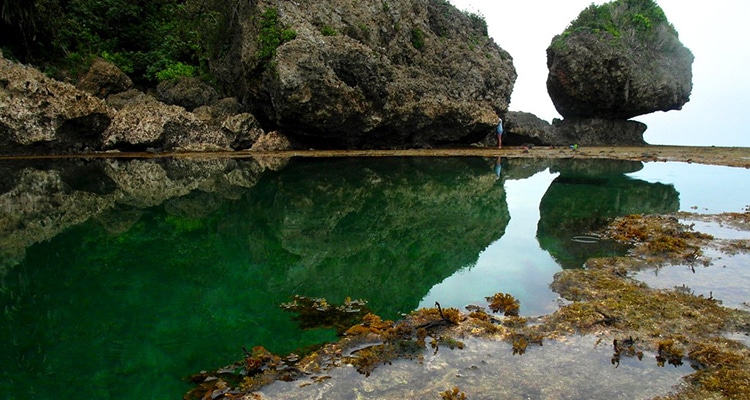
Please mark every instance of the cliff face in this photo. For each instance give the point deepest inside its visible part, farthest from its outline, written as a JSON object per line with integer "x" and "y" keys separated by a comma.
{"x": 368, "y": 73}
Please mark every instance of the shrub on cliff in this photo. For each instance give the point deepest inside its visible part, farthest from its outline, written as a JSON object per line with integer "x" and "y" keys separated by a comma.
{"x": 618, "y": 60}
{"x": 624, "y": 22}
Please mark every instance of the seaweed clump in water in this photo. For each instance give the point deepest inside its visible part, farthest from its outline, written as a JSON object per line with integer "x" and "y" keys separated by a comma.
{"x": 661, "y": 238}
{"x": 453, "y": 394}
{"x": 366, "y": 342}
{"x": 625, "y": 347}
{"x": 505, "y": 303}
{"x": 402, "y": 339}
{"x": 671, "y": 323}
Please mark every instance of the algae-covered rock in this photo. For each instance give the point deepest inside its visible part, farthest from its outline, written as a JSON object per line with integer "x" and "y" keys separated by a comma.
{"x": 619, "y": 60}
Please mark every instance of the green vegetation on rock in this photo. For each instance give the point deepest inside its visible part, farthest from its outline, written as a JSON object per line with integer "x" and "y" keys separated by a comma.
{"x": 328, "y": 30}
{"x": 272, "y": 34}
{"x": 621, "y": 19}
{"x": 149, "y": 40}
{"x": 417, "y": 38}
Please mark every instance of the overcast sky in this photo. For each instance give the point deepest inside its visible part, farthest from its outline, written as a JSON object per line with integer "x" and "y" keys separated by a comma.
{"x": 717, "y": 33}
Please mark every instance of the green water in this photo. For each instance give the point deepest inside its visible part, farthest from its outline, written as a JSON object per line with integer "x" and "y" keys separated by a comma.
{"x": 122, "y": 278}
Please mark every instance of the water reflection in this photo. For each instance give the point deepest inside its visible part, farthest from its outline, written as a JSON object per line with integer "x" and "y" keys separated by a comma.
{"x": 122, "y": 276}
{"x": 703, "y": 188}
{"x": 588, "y": 193}
{"x": 515, "y": 263}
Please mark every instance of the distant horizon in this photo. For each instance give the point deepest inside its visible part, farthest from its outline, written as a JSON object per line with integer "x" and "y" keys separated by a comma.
{"x": 715, "y": 114}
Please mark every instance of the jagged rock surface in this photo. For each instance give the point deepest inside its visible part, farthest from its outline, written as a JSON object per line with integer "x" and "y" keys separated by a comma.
{"x": 371, "y": 74}
{"x": 42, "y": 115}
{"x": 188, "y": 92}
{"x": 522, "y": 128}
{"x": 39, "y": 115}
{"x": 525, "y": 128}
{"x": 599, "y": 132}
{"x": 146, "y": 123}
{"x": 617, "y": 61}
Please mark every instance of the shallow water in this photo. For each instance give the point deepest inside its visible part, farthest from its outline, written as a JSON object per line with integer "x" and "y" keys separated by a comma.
{"x": 726, "y": 278}
{"x": 578, "y": 368}
{"x": 122, "y": 277}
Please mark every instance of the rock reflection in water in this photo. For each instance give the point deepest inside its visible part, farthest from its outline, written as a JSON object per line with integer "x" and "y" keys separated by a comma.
{"x": 160, "y": 268}
{"x": 167, "y": 267}
{"x": 585, "y": 196}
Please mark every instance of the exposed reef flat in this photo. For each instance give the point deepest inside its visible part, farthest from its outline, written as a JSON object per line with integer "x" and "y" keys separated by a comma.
{"x": 729, "y": 156}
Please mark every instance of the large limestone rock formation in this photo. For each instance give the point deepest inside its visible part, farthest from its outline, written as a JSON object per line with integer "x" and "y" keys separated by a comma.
{"x": 40, "y": 114}
{"x": 367, "y": 73}
{"x": 619, "y": 60}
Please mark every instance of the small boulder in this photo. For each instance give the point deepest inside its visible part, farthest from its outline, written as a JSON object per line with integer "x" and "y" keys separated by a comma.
{"x": 104, "y": 78}
{"x": 187, "y": 92}
{"x": 272, "y": 141}
{"x": 216, "y": 113}
{"x": 243, "y": 130}
{"x": 522, "y": 128}
{"x": 119, "y": 100}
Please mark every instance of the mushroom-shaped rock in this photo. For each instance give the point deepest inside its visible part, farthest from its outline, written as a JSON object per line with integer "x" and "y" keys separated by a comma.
{"x": 617, "y": 61}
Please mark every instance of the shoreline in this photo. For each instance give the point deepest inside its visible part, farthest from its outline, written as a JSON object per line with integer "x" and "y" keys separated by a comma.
{"x": 727, "y": 156}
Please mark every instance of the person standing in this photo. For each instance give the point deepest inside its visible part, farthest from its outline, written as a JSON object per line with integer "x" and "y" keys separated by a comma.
{"x": 500, "y": 133}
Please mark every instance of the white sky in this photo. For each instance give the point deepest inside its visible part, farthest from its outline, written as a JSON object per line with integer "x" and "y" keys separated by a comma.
{"x": 716, "y": 32}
